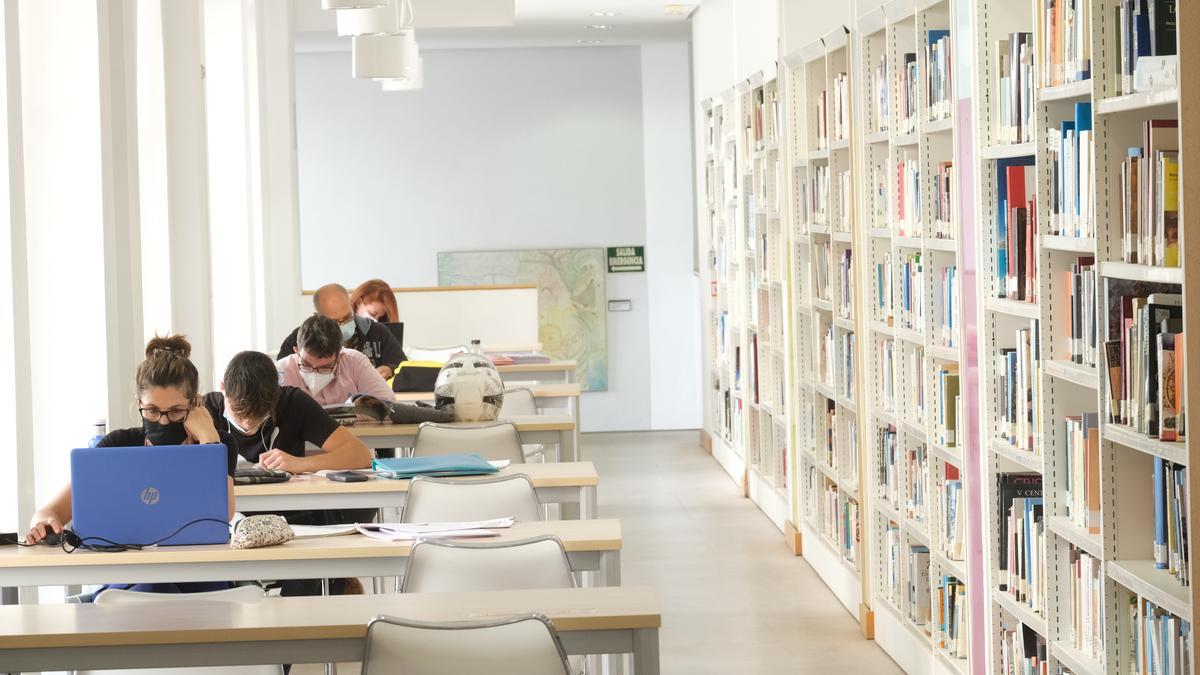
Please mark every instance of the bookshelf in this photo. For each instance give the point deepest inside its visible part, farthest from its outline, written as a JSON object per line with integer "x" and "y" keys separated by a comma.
{"x": 915, "y": 334}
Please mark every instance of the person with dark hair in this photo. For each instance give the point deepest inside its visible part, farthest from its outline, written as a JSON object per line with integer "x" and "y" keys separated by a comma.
{"x": 327, "y": 371}
{"x": 167, "y": 397}
{"x": 270, "y": 424}
{"x": 360, "y": 333}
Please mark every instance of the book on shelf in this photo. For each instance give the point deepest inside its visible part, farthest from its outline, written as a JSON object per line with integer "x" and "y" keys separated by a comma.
{"x": 1160, "y": 643}
{"x": 1015, "y": 85}
{"x": 1064, "y": 52}
{"x": 822, "y": 264}
{"x": 819, "y": 193}
{"x": 891, "y": 562}
{"x": 828, "y": 357}
{"x": 907, "y": 98}
{"x": 1083, "y": 471}
{"x": 1087, "y": 603}
{"x": 879, "y": 196}
{"x": 1079, "y": 285}
{"x": 948, "y": 298}
{"x": 1072, "y": 163}
{"x": 911, "y": 298}
{"x": 914, "y": 375}
{"x": 1150, "y": 196}
{"x": 945, "y": 405}
{"x": 938, "y": 92}
{"x": 1170, "y": 519}
{"x": 830, "y": 455}
{"x": 1146, "y": 36}
{"x": 1145, "y": 369}
{"x": 849, "y": 462}
{"x": 822, "y": 120}
{"x": 1018, "y": 376}
{"x": 917, "y": 605}
{"x": 884, "y": 310}
{"x": 1022, "y": 651}
{"x": 754, "y": 367}
{"x": 846, "y": 280}
{"x": 916, "y": 460}
{"x": 879, "y": 85}
{"x": 908, "y": 197}
{"x": 952, "y": 627}
{"x": 846, "y": 384}
{"x": 886, "y": 460}
{"x": 943, "y": 211}
{"x": 845, "y": 196}
{"x": 954, "y": 501}
{"x": 1017, "y": 494}
{"x": 886, "y": 356}
{"x": 1016, "y": 229}
{"x": 849, "y": 534}
{"x": 841, "y": 107}
{"x": 832, "y": 512}
{"x": 803, "y": 201}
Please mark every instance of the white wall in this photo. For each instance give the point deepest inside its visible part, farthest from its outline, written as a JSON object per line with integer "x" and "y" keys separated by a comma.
{"x": 507, "y": 149}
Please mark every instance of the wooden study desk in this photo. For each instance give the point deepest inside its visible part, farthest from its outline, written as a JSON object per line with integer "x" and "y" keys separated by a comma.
{"x": 556, "y": 430}
{"x": 571, "y": 483}
{"x": 553, "y": 371}
{"x": 592, "y": 545}
{"x": 308, "y": 629}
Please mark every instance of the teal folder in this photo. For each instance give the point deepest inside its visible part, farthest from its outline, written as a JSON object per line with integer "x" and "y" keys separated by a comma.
{"x": 437, "y": 465}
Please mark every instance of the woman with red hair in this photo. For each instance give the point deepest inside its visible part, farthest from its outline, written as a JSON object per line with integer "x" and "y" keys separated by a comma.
{"x": 376, "y": 300}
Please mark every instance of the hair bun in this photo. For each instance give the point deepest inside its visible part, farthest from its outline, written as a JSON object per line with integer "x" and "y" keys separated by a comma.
{"x": 170, "y": 344}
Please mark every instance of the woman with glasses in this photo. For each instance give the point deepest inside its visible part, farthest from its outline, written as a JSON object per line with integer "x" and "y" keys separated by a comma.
{"x": 325, "y": 370}
{"x": 172, "y": 414}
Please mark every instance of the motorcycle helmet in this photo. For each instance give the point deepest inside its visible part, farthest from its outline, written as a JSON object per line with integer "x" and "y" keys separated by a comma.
{"x": 469, "y": 387}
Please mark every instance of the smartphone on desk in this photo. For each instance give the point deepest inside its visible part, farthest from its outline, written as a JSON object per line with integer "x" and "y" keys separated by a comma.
{"x": 348, "y": 476}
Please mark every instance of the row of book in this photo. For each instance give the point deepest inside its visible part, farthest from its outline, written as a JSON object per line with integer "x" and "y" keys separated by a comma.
{"x": 1015, "y": 88}
{"x": 1065, "y": 51}
{"x": 1082, "y": 434}
{"x": 916, "y": 465}
{"x": 910, "y": 298}
{"x": 1147, "y": 35}
{"x": 831, "y": 512}
{"x": 1161, "y": 642}
{"x": 1016, "y": 229}
{"x": 946, "y": 405}
{"x": 954, "y": 529}
{"x": 846, "y": 278}
{"x": 848, "y": 463}
{"x": 828, "y": 453}
{"x": 913, "y": 365}
{"x": 919, "y": 592}
{"x": 885, "y": 356}
{"x": 1020, "y": 527}
{"x": 1150, "y": 196}
{"x": 948, "y": 299}
{"x": 828, "y": 358}
{"x": 1087, "y": 603}
{"x": 938, "y": 89}
{"x": 1072, "y": 163}
{"x": 819, "y": 194}
{"x": 764, "y": 118}
{"x": 846, "y": 382}
{"x": 879, "y": 86}
{"x": 841, "y": 108}
{"x": 1018, "y": 376}
{"x": 1144, "y": 358}
{"x": 1079, "y": 286}
{"x": 891, "y": 563}
{"x": 952, "y": 634}
{"x": 821, "y": 267}
{"x": 883, "y": 288}
{"x": 908, "y": 198}
{"x": 908, "y": 90}
{"x": 849, "y": 534}
{"x": 1022, "y": 651}
{"x": 1170, "y": 519}
{"x": 845, "y": 198}
{"x": 887, "y": 479}
{"x": 879, "y": 201}
{"x": 943, "y": 205}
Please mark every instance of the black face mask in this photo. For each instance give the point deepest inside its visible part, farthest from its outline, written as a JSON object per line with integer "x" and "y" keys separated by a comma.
{"x": 171, "y": 433}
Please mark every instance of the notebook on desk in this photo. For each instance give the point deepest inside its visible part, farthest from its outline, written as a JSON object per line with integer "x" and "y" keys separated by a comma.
{"x": 469, "y": 464}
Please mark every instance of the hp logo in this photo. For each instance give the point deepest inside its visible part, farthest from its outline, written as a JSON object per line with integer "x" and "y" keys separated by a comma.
{"x": 150, "y": 496}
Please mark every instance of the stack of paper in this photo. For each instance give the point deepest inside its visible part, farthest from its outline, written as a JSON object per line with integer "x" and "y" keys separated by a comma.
{"x": 414, "y": 531}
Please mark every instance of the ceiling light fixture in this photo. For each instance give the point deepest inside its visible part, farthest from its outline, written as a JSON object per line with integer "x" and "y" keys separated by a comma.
{"x": 407, "y": 84}
{"x": 599, "y": 26}
{"x": 606, "y": 14}
{"x": 675, "y": 10}
{"x": 589, "y": 42}
{"x": 369, "y": 20}
{"x": 351, "y": 4}
{"x": 388, "y": 56}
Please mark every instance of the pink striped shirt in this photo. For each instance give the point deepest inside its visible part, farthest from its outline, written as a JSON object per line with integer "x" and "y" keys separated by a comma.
{"x": 354, "y": 375}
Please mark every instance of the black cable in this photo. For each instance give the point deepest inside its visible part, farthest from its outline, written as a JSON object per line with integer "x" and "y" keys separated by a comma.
{"x": 108, "y": 546}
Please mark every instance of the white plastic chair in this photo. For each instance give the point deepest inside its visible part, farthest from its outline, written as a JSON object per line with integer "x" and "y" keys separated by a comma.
{"x": 448, "y": 566}
{"x": 492, "y": 441}
{"x": 237, "y": 594}
{"x": 520, "y": 402}
{"x": 520, "y": 645}
{"x": 440, "y": 500}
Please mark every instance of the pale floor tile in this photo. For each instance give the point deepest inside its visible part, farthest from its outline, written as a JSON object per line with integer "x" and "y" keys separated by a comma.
{"x": 735, "y": 601}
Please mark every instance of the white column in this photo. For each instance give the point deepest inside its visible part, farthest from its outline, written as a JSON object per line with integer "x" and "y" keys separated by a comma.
{"x": 172, "y": 151}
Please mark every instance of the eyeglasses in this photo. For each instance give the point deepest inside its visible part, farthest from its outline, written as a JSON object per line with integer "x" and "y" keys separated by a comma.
{"x": 156, "y": 415}
{"x": 306, "y": 367}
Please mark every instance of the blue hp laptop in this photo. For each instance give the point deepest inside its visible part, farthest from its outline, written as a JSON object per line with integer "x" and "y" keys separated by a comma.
{"x": 141, "y": 495}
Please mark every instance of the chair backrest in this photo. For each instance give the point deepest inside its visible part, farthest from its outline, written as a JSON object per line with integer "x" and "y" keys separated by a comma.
{"x": 520, "y": 645}
{"x": 518, "y": 401}
{"x": 492, "y": 441}
{"x": 439, "y": 500}
{"x": 237, "y": 594}
{"x": 447, "y": 566}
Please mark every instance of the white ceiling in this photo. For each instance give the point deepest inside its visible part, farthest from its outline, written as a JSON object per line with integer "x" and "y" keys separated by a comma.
{"x": 443, "y": 24}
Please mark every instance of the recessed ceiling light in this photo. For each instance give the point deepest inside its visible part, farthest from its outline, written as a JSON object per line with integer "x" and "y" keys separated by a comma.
{"x": 589, "y": 42}
{"x": 599, "y": 26}
{"x": 606, "y": 14}
{"x": 675, "y": 10}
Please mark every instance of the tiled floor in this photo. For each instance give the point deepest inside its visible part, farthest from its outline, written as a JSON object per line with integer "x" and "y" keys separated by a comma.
{"x": 735, "y": 601}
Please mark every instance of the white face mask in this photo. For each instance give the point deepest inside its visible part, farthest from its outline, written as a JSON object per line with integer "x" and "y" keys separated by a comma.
{"x": 237, "y": 427}
{"x": 316, "y": 381}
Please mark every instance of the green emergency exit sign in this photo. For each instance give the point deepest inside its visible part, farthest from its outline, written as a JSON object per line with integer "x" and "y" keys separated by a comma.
{"x": 626, "y": 258}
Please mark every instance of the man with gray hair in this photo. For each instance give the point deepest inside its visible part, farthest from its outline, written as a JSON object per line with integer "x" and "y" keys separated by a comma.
{"x": 360, "y": 333}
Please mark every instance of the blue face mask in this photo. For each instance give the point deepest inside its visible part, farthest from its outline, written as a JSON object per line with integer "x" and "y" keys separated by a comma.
{"x": 347, "y": 330}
